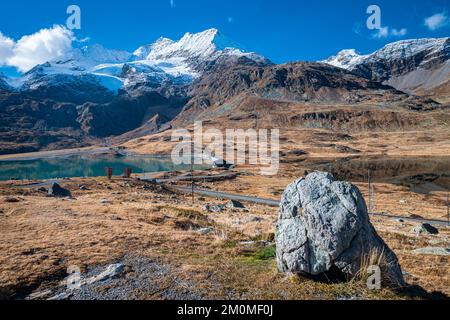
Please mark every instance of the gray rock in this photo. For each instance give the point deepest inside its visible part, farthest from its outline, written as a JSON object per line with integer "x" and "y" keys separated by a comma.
{"x": 57, "y": 191}
{"x": 323, "y": 226}
{"x": 217, "y": 208}
{"x": 61, "y": 296}
{"x": 433, "y": 251}
{"x": 232, "y": 204}
{"x": 425, "y": 229}
{"x": 205, "y": 231}
{"x": 220, "y": 163}
{"x": 39, "y": 295}
{"x": 111, "y": 271}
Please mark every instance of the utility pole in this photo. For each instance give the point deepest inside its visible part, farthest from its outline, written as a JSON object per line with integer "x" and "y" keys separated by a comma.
{"x": 192, "y": 172}
{"x": 369, "y": 187}
{"x": 448, "y": 211}
{"x": 373, "y": 198}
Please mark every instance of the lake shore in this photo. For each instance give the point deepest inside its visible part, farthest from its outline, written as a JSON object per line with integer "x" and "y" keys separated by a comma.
{"x": 55, "y": 154}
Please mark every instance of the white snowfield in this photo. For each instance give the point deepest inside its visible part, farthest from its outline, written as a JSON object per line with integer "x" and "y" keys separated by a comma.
{"x": 163, "y": 60}
{"x": 349, "y": 59}
{"x": 424, "y": 51}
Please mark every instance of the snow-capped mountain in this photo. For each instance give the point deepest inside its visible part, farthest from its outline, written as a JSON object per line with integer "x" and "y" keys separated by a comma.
{"x": 206, "y": 45}
{"x": 346, "y": 59}
{"x": 160, "y": 63}
{"x": 408, "y": 65}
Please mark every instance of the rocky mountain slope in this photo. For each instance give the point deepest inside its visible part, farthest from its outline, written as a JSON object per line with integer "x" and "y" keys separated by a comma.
{"x": 413, "y": 66}
{"x": 226, "y": 87}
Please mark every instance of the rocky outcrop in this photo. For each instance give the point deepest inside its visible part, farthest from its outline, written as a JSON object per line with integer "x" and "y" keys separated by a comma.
{"x": 324, "y": 227}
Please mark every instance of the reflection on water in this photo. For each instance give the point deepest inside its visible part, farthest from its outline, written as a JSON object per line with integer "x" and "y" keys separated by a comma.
{"x": 83, "y": 167}
{"x": 433, "y": 172}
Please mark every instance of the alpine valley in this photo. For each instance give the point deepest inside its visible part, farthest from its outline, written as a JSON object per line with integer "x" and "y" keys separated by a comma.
{"x": 93, "y": 95}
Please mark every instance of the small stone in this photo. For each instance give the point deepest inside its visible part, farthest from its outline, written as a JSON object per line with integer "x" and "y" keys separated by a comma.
{"x": 12, "y": 200}
{"x": 104, "y": 201}
{"x": 425, "y": 229}
{"x": 214, "y": 208}
{"x": 59, "y": 192}
{"x": 110, "y": 272}
{"x": 39, "y": 295}
{"x": 232, "y": 204}
{"x": 84, "y": 188}
{"x": 205, "y": 231}
{"x": 61, "y": 296}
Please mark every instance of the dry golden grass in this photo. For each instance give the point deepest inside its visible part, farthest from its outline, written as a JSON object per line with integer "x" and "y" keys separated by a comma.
{"x": 42, "y": 236}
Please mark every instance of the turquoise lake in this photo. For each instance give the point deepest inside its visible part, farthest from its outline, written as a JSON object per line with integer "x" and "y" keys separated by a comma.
{"x": 69, "y": 167}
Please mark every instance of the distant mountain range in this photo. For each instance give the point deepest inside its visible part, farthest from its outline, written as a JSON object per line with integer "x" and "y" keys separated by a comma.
{"x": 164, "y": 62}
{"x": 413, "y": 66}
{"x": 93, "y": 93}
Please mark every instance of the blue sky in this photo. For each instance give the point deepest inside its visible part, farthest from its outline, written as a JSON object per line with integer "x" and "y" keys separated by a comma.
{"x": 282, "y": 30}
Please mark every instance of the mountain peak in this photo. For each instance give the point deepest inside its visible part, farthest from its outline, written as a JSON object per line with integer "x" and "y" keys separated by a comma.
{"x": 345, "y": 59}
{"x": 202, "y": 44}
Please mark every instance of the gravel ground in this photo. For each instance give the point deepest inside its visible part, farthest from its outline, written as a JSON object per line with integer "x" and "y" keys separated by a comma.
{"x": 141, "y": 279}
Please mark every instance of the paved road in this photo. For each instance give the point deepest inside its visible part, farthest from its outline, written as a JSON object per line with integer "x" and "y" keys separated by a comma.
{"x": 250, "y": 199}
{"x": 275, "y": 203}
{"x": 218, "y": 177}
{"x": 215, "y": 194}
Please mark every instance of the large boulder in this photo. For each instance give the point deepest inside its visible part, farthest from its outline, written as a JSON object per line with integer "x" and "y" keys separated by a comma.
{"x": 324, "y": 227}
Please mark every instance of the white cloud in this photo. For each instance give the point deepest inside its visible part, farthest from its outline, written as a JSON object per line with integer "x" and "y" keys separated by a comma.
{"x": 437, "y": 21}
{"x": 381, "y": 33}
{"x": 387, "y": 32}
{"x": 172, "y": 3}
{"x": 399, "y": 33}
{"x": 230, "y": 19}
{"x": 38, "y": 48}
{"x": 6, "y": 49}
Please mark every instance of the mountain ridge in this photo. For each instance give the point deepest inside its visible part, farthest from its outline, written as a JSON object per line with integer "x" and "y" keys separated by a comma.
{"x": 409, "y": 65}
{"x": 102, "y": 97}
